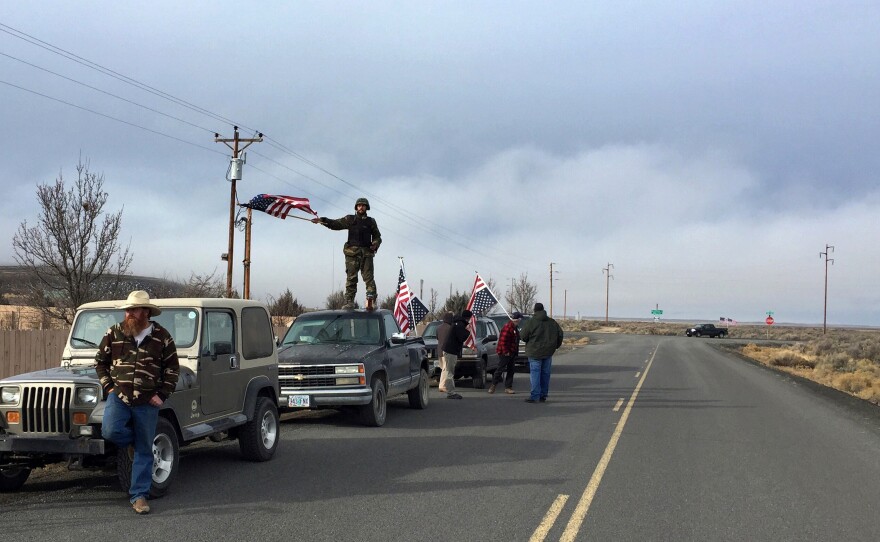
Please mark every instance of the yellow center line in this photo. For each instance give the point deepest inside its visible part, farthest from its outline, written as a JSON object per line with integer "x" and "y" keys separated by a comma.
{"x": 549, "y": 519}
{"x": 583, "y": 505}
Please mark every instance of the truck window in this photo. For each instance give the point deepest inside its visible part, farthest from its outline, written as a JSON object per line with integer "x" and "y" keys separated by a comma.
{"x": 257, "y": 340}
{"x": 390, "y": 326}
{"x": 218, "y": 329}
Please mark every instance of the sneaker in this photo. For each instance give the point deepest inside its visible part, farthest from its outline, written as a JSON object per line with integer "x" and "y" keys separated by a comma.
{"x": 140, "y": 506}
{"x": 530, "y": 400}
{"x": 370, "y": 304}
{"x": 492, "y": 388}
{"x": 453, "y": 396}
{"x": 509, "y": 391}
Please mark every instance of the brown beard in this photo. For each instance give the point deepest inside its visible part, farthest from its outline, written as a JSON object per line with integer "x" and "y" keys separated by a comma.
{"x": 132, "y": 325}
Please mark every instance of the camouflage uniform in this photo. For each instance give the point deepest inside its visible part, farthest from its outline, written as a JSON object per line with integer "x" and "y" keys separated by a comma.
{"x": 136, "y": 373}
{"x": 363, "y": 242}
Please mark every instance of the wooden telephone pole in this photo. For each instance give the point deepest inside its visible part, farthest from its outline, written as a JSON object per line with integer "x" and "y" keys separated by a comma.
{"x": 237, "y": 145}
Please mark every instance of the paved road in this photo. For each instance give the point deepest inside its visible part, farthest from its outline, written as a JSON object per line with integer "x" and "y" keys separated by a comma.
{"x": 644, "y": 438}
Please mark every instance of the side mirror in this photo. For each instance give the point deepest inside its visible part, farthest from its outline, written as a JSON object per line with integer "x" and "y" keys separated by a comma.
{"x": 490, "y": 338}
{"x": 398, "y": 338}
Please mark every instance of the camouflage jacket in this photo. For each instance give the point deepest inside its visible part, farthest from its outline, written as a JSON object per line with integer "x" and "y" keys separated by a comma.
{"x": 357, "y": 226}
{"x": 137, "y": 373}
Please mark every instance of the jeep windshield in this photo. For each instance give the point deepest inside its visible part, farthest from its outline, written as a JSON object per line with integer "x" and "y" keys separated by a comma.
{"x": 334, "y": 329}
{"x": 92, "y": 324}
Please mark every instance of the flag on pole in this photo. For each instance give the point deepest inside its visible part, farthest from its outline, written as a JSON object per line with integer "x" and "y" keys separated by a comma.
{"x": 401, "y": 303}
{"x": 417, "y": 309}
{"x": 482, "y": 299}
{"x": 279, "y": 206}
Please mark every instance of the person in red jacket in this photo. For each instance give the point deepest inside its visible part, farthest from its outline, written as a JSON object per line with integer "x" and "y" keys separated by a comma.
{"x": 508, "y": 349}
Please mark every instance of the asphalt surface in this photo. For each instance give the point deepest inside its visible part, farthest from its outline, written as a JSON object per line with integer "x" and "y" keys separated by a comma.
{"x": 643, "y": 438}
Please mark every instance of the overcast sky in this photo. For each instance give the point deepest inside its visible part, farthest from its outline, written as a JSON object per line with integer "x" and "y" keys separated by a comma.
{"x": 707, "y": 150}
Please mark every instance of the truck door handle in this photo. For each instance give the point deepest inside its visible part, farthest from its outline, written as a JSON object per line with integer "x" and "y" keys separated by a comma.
{"x": 233, "y": 362}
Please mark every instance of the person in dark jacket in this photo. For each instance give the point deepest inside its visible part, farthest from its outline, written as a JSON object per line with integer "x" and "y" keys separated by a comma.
{"x": 442, "y": 333}
{"x": 452, "y": 346}
{"x": 507, "y": 349}
{"x": 138, "y": 369}
{"x": 362, "y": 244}
{"x": 542, "y": 336}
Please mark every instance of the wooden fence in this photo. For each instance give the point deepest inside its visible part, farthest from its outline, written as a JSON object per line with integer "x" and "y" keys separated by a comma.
{"x": 24, "y": 351}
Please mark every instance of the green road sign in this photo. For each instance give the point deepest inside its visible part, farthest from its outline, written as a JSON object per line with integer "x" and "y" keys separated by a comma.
{"x": 769, "y": 313}
{"x": 657, "y": 311}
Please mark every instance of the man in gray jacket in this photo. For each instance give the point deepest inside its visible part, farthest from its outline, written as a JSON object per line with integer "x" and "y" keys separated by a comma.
{"x": 542, "y": 336}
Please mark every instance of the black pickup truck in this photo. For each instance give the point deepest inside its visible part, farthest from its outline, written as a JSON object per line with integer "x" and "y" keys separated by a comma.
{"x": 709, "y": 330}
{"x": 339, "y": 359}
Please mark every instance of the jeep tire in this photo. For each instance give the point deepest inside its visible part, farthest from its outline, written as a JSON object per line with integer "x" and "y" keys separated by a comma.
{"x": 258, "y": 438}
{"x": 418, "y": 396}
{"x": 373, "y": 414}
{"x": 13, "y": 479}
{"x": 166, "y": 460}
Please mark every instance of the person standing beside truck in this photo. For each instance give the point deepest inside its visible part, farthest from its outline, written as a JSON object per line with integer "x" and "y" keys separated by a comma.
{"x": 543, "y": 337}
{"x": 138, "y": 369}
{"x": 451, "y": 347}
{"x": 507, "y": 349}
{"x": 360, "y": 248}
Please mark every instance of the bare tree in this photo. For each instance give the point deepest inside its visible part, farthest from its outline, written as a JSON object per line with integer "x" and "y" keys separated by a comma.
{"x": 71, "y": 256}
{"x": 206, "y": 285}
{"x": 522, "y": 294}
{"x": 284, "y": 305}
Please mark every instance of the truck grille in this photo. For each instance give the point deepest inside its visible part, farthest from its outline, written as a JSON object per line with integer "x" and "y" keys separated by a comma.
{"x": 309, "y": 376}
{"x": 46, "y": 409}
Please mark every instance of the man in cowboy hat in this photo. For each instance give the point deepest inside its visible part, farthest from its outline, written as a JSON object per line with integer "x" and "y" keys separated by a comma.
{"x": 138, "y": 368}
{"x": 363, "y": 242}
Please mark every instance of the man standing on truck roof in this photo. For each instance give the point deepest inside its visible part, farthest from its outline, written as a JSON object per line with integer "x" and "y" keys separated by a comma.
{"x": 138, "y": 369}
{"x": 362, "y": 244}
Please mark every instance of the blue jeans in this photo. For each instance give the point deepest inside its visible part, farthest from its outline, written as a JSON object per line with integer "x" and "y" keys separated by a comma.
{"x": 539, "y": 374}
{"x": 124, "y": 425}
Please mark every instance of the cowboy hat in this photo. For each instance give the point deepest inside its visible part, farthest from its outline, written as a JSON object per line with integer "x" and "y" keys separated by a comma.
{"x": 140, "y": 298}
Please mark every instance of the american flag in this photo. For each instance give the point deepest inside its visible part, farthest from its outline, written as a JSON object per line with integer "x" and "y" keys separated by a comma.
{"x": 480, "y": 302}
{"x": 402, "y": 312}
{"x": 417, "y": 309}
{"x": 279, "y": 206}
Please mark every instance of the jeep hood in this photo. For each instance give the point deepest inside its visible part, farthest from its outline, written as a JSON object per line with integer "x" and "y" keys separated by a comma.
{"x": 326, "y": 353}
{"x": 78, "y": 375}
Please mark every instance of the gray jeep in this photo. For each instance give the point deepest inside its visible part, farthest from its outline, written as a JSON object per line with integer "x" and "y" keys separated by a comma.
{"x": 228, "y": 388}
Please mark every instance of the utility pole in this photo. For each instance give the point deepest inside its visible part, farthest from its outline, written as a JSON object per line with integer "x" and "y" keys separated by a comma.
{"x": 607, "y": 271}
{"x": 235, "y": 165}
{"x": 247, "y": 256}
{"x": 551, "y": 287}
{"x": 564, "y": 303}
{"x": 828, "y": 248}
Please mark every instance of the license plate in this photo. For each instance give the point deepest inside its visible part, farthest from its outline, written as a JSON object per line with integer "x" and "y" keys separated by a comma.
{"x": 299, "y": 401}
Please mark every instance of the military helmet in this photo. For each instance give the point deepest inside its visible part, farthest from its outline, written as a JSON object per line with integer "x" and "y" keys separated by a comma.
{"x": 365, "y": 201}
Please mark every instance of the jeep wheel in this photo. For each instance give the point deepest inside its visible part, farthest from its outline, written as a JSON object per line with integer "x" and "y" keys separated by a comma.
{"x": 166, "y": 459}
{"x": 13, "y": 479}
{"x": 418, "y": 396}
{"x": 258, "y": 438}
{"x": 698, "y": 334}
{"x": 374, "y": 413}
{"x": 479, "y": 378}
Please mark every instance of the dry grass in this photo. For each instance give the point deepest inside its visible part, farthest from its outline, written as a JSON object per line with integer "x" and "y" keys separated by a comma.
{"x": 844, "y": 359}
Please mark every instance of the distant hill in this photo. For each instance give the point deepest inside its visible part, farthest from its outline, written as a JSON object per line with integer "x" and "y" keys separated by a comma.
{"x": 13, "y": 278}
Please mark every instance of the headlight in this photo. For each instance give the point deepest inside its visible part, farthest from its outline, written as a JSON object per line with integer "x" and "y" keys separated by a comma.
{"x": 87, "y": 396}
{"x": 349, "y": 369}
{"x": 10, "y": 395}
